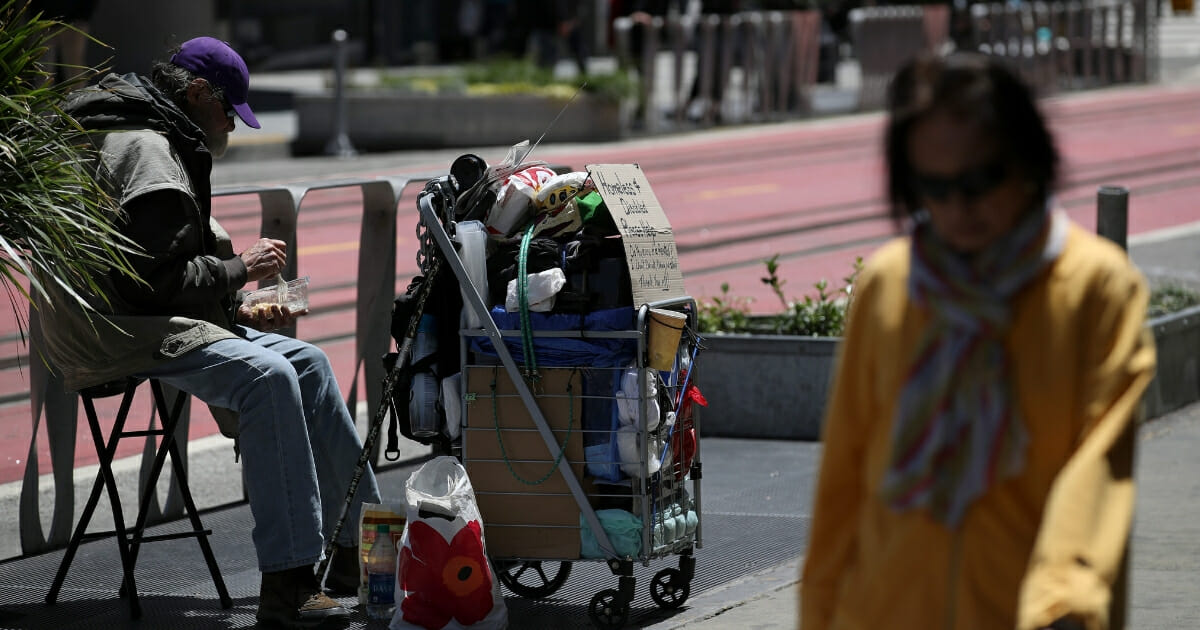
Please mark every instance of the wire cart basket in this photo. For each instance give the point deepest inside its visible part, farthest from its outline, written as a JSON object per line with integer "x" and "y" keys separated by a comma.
{"x": 583, "y": 461}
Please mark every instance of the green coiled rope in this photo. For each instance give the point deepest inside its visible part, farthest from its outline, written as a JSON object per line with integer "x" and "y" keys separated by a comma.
{"x": 562, "y": 448}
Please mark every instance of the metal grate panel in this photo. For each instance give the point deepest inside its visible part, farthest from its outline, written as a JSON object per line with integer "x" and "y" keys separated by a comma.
{"x": 754, "y": 516}
{"x": 737, "y": 546}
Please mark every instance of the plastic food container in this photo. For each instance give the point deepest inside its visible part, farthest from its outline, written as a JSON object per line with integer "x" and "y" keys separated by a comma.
{"x": 294, "y": 297}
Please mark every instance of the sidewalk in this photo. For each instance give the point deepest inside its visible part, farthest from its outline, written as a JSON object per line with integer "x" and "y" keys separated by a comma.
{"x": 1165, "y": 578}
{"x": 753, "y": 514}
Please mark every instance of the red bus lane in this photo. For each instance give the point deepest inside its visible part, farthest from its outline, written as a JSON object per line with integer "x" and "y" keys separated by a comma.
{"x": 808, "y": 192}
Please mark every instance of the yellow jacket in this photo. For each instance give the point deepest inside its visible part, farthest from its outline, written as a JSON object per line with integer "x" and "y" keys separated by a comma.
{"x": 1047, "y": 542}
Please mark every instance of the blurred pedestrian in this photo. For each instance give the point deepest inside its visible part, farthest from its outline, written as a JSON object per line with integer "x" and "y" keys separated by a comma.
{"x": 704, "y": 102}
{"x": 574, "y": 20}
{"x": 642, "y": 33}
{"x": 535, "y": 24}
{"x": 978, "y": 441}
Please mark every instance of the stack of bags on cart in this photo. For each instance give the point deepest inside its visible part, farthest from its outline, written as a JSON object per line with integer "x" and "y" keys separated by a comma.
{"x": 543, "y": 253}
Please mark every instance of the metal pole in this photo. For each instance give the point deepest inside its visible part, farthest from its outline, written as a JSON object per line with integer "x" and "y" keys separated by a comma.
{"x": 1112, "y": 214}
{"x": 339, "y": 144}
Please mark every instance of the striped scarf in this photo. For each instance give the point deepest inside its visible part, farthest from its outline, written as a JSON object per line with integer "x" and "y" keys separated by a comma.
{"x": 956, "y": 429}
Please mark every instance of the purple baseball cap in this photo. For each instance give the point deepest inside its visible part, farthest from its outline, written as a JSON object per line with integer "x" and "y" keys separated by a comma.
{"x": 216, "y": 62}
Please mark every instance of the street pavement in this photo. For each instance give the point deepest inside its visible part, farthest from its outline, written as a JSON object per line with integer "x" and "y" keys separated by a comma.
{"x": 1165, "y": 575}
{"x": 1165, "y": 589}
{"x": 1165, "y": 578}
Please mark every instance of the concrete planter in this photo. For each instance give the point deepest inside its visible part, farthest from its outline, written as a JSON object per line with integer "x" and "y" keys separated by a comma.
{"x": 765, "y": 386}
{"x": 386, "y": 121}
{"x": 1177, "y": 382}
{"x": 775, "y": 386}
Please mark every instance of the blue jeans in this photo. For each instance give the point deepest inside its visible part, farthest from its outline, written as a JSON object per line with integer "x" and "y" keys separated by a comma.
{"x": 298, "y": 441}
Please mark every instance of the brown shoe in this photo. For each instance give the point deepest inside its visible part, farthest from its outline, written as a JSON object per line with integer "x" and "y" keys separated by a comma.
{"x": 344, "y": 576}
{"x": 293, "y": 599}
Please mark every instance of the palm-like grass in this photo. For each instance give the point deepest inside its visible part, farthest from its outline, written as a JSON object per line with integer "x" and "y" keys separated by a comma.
{"x": 56, "y": 222}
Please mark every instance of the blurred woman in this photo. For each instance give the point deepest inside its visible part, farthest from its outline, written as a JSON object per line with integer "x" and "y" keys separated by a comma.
{"x": 978, "y": 440}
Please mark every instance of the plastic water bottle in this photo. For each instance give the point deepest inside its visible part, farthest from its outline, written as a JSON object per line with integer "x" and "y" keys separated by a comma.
{"x": 381, "y": 576}
{"x": 472, "y": 239}
{"x": 425, "y": 391}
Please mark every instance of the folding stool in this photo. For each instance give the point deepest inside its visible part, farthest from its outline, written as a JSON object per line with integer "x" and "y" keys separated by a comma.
{"x": 129, "y": 540}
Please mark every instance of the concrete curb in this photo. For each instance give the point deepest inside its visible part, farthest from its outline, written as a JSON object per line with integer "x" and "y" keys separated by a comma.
{"x": 769, "y": 589}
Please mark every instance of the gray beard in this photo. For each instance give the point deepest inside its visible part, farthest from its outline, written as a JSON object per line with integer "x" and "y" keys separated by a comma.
{"x": 217, "y": 144}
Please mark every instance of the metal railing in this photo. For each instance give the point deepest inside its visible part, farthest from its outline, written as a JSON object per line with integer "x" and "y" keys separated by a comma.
{"x": 773, "y": 54}
{"x": 888, "y": 36}
{"x": 281, "y": 206}
{"x": 1071, "y": 45}
{"x": 762, "y": 65}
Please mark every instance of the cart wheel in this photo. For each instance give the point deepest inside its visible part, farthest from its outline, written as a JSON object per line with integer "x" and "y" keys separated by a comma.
{"x": 607, "y": 610}
{"x": 530, "y": 579}
{"x": 669, "y": 589}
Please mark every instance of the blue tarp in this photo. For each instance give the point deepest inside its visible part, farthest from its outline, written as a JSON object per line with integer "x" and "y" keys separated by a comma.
{"x": 565, "y": 351}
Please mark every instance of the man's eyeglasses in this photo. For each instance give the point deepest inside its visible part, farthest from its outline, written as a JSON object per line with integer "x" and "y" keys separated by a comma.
{"x": 229, "y": 112}
{"x": 971, "y": 184}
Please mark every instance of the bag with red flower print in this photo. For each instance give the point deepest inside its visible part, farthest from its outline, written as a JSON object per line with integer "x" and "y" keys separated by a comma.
{"x": 443, "y": 579}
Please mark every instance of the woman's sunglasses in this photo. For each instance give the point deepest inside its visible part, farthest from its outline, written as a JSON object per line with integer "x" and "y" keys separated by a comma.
{"x": 971, "y": 184}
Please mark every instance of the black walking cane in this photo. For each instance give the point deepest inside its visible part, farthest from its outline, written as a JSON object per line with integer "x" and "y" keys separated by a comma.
{"x": 389, "y": 384}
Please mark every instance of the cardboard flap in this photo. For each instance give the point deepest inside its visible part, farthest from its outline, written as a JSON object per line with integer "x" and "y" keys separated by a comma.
{"x": 645, "y": 231}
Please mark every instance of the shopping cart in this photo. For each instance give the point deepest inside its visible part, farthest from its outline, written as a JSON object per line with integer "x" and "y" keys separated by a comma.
{"x": 553, "y": 476}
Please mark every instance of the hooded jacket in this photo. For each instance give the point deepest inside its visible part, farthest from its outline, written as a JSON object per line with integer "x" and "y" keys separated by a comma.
{"x": 153, "y": 161}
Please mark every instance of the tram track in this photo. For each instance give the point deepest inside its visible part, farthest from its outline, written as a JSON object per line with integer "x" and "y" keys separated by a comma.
{"x": 869, "y": 212}
{"x": 852, "y": 147}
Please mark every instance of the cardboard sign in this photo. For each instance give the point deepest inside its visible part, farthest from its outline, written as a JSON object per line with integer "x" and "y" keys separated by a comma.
{"x": 645, "y": 231}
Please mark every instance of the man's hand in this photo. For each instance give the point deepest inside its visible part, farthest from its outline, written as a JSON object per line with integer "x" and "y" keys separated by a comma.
{"x": 267, "y": 317}
{"x": 264, "y": 259}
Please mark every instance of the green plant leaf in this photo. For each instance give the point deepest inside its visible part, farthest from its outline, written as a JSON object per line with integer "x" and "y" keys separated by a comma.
{"x": 56, "y": 220}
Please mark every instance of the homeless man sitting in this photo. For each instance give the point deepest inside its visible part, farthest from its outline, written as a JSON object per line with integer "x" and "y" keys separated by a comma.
{"x": 183, "y": 323}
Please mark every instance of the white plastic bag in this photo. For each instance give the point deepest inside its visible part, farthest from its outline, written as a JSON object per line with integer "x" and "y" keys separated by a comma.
{"x": 443, "y": 579}
{"x": 515, "y": 204}
{"x": 543, "y": 287}
{"x": 627, "y": 412}
{"x": 629, "y": 395}
{"x": 631, "y": 461}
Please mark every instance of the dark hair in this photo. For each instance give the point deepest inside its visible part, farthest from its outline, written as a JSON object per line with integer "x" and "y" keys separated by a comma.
{"x": 970, "y": 87}
{"x": 173, "y": 81}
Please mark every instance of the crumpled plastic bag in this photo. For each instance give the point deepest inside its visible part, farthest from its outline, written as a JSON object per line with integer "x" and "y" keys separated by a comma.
{"x": 543, "y": 286}
{"x": 628, "y": 396}
{"x": 631, "y": 461}
{"x": 514, "y": 205}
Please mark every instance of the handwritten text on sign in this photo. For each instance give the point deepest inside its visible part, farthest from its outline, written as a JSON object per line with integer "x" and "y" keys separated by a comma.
{"x": 645, "y": 231}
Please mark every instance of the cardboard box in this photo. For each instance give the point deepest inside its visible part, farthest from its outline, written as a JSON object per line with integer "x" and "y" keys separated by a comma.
{"x": 516, "y": 509}
{"x": 538, "y": 521}
{"x": 532, "y": 543}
